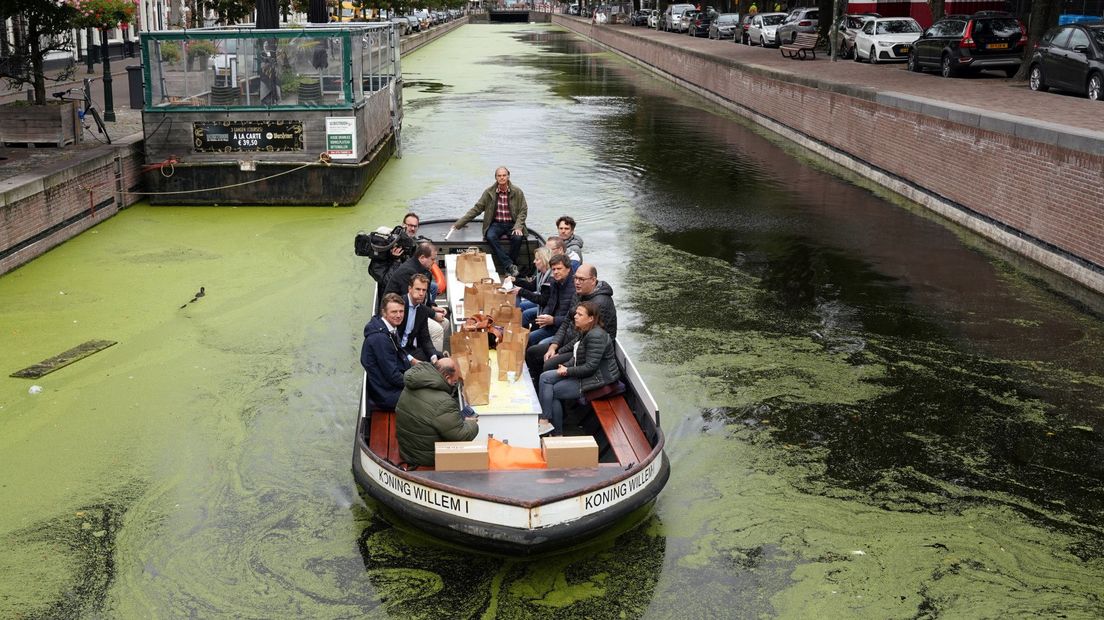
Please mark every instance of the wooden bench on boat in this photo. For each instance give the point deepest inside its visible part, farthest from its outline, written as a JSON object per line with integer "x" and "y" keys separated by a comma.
{"x": 382, "y": 440}
{"x": 622, "y": 430}
{"x": 805, "y": 42}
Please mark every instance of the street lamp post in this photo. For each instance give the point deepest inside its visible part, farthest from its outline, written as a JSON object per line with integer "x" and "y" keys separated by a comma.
{"x": 109, "y": 102}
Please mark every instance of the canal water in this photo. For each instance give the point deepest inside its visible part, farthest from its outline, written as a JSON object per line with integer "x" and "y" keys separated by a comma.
{"x": 869, "y": 413}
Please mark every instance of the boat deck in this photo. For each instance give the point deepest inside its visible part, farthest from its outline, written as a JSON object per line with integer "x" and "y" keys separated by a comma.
{"x": 526, "y": 486}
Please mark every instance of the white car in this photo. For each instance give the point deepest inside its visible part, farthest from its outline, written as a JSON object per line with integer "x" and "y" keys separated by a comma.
{"x": 886, "y": 38}
{"x": 764, "y": 29}
{"x": 653, "y": 18}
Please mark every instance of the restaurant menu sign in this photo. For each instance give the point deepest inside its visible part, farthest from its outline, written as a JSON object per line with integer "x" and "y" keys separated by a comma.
{"x": 341, "y": 137}
{"x": 239, "y": 136}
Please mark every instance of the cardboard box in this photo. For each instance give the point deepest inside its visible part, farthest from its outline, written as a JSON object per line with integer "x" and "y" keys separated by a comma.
{"x": 570, "y": 452}
{"x": 460, "y": 455}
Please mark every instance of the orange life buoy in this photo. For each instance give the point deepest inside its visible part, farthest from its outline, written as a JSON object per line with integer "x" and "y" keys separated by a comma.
{"x": 438, "y": 277}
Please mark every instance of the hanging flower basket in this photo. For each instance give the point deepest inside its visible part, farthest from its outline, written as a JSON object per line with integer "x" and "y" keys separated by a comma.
{"x": 103, "y": 14}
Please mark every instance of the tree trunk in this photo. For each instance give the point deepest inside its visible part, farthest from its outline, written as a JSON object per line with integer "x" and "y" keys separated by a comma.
{"x": 937, "y": 7}
{"x": 36, "y": 63}
{"x": 268, "y": 17}
{"x": 1044, "y": 15}
{"x": 316, "y": 12}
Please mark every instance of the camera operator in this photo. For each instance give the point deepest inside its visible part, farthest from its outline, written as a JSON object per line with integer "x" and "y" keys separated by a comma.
{"x": 394, "y": 251}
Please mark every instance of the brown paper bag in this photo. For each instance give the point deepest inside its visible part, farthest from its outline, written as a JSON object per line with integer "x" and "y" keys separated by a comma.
{"x": 513, "y": 332}
{"x": 458, "y": 344}
{"x": 497, "y": 297}
{"x": 505, "y": 314}
{"x": 511, "y": 357}
{"x": 478, "y": 347}
{"x": 477, "y": 382}
{"x": 473, "y": 301}
{"x": 462, "y": 363}
{"x": 471, "y": 266}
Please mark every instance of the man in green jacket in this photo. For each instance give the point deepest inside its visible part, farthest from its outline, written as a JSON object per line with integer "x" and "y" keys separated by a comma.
{"x": 504, "y": 209}
{"x": 428, "y": 412}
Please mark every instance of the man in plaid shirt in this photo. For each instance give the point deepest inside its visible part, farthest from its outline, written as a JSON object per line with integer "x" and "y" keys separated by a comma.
{"x": 504, "y": 209}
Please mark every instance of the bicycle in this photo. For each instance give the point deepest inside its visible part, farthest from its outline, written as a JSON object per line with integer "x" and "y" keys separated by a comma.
{"x": 89, "y": 106}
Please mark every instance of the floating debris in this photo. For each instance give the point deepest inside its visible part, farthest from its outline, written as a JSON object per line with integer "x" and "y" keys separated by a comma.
{"x": 61, "y": 360}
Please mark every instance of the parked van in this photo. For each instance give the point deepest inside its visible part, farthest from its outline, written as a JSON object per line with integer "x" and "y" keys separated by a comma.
{"x": 672, "y": 18}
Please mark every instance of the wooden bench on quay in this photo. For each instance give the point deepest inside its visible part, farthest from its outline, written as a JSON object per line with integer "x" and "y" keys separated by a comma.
{"x": 804, "y": 43}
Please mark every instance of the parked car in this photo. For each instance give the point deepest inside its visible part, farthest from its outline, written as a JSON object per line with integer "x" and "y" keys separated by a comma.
{"x": 958, "y": 43}
{"x": 848, "y": 27}
{"x": 886, "y": 38}
{"x": 639, "y": 18}
{"x": 572, "y": 9}
{"x": 1070, "y": 58}
{"x": 698, "y": 24}
{"x": 724, "y": 26}
{"x": 764, "y": 29}
{"x": 653, "y": 19}
{"x": 684, "y": 21}
{"x": 803, "y": 19}
{"x": 671, "y": 20}
{"x": 402, "y": 24}
{"x": 742, "y": 30}
{"x": 415, "y": 25}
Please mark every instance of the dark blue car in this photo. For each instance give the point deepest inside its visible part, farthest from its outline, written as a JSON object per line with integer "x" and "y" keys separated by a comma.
{"x": 1070, "y": 58}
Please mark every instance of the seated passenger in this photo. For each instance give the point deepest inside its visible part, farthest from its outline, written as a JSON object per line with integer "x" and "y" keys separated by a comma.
{"x": 380, "y": 355}
{"x": 558, "y": 302}
{"x": 573, "y": 244}
{"x": 419, "y": 337}
{"x": 591, "y": 365}
{"x": 533, "y": 292}
{"x": 428, "y": 411}
{"x": 548, "y": 355}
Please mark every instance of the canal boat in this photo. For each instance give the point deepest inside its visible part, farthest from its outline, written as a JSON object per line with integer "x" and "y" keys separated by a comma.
{"x": 527, "y": 510}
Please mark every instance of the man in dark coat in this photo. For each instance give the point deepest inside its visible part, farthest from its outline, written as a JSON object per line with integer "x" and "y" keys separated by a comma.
{"x": 425, "y": 255}
{"x": 588, "y": 287}
{"x": 428, "y": 412}
{"x": 381, "y": 356}
{"x": 384, "y": 265}
{"x": 557, "y": 305}
{"x": 414, "y": 331}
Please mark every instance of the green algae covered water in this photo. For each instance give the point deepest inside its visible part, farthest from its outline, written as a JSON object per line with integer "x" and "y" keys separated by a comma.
{"x": 869, "y": 413}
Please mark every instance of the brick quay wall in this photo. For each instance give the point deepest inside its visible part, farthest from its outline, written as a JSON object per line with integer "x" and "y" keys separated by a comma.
{"x": 1034, "y": 187}
{"x": 39, "y": 211}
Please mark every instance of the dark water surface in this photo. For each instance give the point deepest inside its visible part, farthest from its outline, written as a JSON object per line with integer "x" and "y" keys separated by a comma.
{"x": 869, "y": 412}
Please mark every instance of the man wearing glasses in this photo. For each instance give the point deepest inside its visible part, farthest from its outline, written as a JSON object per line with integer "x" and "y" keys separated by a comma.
{"x": 588, "y": 287}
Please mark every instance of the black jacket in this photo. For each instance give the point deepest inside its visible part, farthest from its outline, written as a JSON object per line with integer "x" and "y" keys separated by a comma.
{"x": 399, "y": 281}
{"x": 419, "y": 340}
{"x": 384, "y": 362}
{"x": 601, "y": 295}
{"x": 594, "y": 363}
{"x": 535, "y": 289}
{"x": 558, "y": 303}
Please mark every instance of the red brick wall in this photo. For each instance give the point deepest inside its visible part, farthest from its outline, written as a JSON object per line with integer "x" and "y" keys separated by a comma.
{"x": 62, "y": 195}
{"x": 1053, "y": 194}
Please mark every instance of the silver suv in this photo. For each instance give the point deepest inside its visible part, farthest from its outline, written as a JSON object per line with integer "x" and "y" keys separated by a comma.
{"x": 799, "y": 20}
{"x": 672, "y": 21}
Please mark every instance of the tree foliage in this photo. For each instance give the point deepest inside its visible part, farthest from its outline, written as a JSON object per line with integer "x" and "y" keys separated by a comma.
{"x": 231, "y": 12}
{"x": 42, "y": 27}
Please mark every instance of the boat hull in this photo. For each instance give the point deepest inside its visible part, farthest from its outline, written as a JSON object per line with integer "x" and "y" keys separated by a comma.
{"x": 502, "y": 527}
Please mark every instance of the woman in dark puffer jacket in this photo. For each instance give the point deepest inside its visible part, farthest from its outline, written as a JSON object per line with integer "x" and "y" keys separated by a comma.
{"x": 591, "y": 366}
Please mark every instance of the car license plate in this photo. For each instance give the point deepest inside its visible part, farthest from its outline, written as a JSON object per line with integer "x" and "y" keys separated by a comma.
{"x": 997, "y": 46}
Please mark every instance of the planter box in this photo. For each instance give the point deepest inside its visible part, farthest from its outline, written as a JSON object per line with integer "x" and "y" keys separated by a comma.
{"x": 56, "y": 124}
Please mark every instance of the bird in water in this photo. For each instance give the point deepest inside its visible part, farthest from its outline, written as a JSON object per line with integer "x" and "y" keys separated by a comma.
{"x": 202, "y": 293}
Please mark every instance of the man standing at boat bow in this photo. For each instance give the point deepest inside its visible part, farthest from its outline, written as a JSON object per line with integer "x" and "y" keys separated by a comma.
{"x": 504, "y": 210}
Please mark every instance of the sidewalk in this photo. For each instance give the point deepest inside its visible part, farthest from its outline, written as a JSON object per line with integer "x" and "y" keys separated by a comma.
{"x": 18, "y": 160}
{"x": 987, "y": 91}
